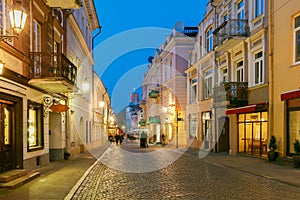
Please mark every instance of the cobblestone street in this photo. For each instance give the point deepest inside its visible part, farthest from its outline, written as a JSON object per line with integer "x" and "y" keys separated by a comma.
{"x": 188, "y": 177}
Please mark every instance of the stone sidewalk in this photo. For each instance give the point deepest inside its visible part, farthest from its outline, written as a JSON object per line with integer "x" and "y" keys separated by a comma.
{"x": 60, "y": 180}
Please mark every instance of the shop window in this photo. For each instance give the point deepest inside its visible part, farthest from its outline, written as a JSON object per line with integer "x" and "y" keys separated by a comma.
{"x": 253, "y": 133}
{"x": 35, "y": 138}
{"x": 293, "y": 124}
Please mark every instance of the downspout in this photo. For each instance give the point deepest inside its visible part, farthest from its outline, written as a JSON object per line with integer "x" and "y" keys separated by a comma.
{"x": 216, "y": 81}
{"x": 271, "y": 70}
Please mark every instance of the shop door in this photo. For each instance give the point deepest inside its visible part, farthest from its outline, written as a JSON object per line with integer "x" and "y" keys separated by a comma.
{"x": 6, "y": 133}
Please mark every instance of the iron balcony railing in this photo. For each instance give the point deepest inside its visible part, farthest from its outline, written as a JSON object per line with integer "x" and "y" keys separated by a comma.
{"x": 232, "y": 28}
{"x": 153, "y": 94}
{"x": 235, "y": 93}
{"x": 46, "y": 65}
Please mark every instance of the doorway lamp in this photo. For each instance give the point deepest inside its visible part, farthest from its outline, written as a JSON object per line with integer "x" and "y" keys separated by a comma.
{"x": 17, "y": 17}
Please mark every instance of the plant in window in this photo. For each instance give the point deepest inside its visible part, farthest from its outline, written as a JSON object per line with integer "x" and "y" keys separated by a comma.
{"x": 272, "y": 153}
{"x": 296, "y": 157}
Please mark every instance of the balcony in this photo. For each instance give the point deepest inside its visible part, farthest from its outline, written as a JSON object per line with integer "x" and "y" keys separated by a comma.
{"x": 142, "y": 122}
{"x": 154, "y": 120}
{"x": 234, "y": 94}
{"x": 52, "y": 72}
{"x": 230, "y": 33}
{"x": 64, "y": 4}
{"x": 153, "y": 94}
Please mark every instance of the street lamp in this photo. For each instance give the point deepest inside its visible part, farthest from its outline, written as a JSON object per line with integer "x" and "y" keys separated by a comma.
{"x": 18, "y": 17}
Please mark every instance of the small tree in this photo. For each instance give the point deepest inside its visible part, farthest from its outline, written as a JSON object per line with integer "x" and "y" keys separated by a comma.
{"x": 296, "y": 158}
{"x": 272, "y": 143}
{"x": 297, "y": 147}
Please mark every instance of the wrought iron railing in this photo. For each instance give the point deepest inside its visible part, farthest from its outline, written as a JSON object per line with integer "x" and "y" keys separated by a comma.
{"x": 235, "y": 93}
{"x": 48, "y": 65}
{"x": 229, "y": 29}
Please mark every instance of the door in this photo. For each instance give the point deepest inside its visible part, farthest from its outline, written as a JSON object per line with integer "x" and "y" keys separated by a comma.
{"x": 6, "y": 135}
{"x": 223, "y": 142}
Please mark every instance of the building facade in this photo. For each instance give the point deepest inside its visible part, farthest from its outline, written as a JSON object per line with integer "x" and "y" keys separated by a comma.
{"x": 229, "y": 78}
{"x": 165, "y": 85}
{"x": 41, "y": 80}
{"x": 284, "y": 62}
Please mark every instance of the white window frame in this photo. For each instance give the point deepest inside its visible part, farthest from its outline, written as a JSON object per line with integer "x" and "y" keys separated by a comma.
{"x": 223, "y": 75}
{"x": 37, "y": 36}
{"x": 208, "y": 83}
{"x": 239, "y": 72}
{"x": 194, "y": 90}
{"x": 259, "y": 6}
{"x": 209, "y": 39}
{"x": 258, "y": 68}
{"x": 296, "y": 43}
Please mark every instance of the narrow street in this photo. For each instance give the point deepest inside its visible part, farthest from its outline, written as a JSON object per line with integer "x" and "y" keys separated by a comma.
{"x": 186, "y": 178}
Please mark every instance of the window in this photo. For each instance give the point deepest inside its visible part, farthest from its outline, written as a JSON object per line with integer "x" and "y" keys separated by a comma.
{"x": 258, "y": 71}
{"x": 224, "y": 75}
{"x": 194, "y": 90}
{"x": 297, "y": 39}
{"x": 208, "y": 84}
{"x": 35, "y": 126}
{"x": 4, "y": 19}
{"x": 37, "y": 40}
{"x": 209, "y": 41}
{"x": 259, "y": 7}
{"x": 240, "y": 17}
{"x": 240, "y": 71}
{"x": 225, "y": 17}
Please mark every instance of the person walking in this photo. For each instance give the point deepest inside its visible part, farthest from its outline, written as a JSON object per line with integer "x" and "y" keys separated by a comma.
{"x": 163, "y": 137}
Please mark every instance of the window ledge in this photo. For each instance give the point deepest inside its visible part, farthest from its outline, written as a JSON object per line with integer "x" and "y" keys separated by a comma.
{"x": 37, "y": 148}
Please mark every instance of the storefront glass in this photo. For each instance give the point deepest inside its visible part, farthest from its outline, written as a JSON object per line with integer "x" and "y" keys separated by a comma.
{"x": 253, "y": 132}
{"x": 293, "y": 124}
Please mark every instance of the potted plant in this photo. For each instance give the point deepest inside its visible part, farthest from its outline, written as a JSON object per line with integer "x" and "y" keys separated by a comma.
{"x": 272, "y": 153}
{"x": 296, "y": 157}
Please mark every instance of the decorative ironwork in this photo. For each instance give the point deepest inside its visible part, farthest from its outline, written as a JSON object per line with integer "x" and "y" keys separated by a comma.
{"x": 47, "y": 65}
{"x": 230, "y": 29}
{"x": 153, "y": 94}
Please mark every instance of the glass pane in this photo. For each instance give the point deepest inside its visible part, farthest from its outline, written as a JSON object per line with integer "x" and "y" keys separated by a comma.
{"x": 297, "y": 46}
{"x": 297, "y": 21}
{"x": 242, "y": 139}
{"x": 294, "y": 128}
{"x": 7, "y": 125}
{"x": 249, "y": 142}
{"x": 264, "y": 137}
{"x": 241, "y": 117}
{"x": 32, "y": 128}
{"x": 264, "y": 116}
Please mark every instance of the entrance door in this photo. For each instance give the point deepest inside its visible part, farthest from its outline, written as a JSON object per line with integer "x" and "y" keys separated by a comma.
{"x": 223, "y": 142}
{"x": 6, "y": 134}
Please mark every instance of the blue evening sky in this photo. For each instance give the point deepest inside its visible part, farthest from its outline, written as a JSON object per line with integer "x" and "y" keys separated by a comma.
{"x": 131, "y": 31}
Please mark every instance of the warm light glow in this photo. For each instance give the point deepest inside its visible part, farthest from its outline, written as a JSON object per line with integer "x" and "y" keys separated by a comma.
{"x": 1, "y": 67}
{"x": 17, "y": 17}
{"x": 85, "y": 86}
{"x": 164, "y": 109}
{"x": 101, "y": 103}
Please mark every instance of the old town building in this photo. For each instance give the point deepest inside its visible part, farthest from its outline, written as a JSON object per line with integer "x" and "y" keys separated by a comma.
{"x": 45, "y": 67}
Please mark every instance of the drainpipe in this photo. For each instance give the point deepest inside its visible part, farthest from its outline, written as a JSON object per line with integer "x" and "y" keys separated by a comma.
{"x": 271, "y": 70}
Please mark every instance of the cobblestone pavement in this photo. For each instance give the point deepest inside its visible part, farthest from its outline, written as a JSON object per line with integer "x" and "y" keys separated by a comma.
{"x": 188, "y": 177}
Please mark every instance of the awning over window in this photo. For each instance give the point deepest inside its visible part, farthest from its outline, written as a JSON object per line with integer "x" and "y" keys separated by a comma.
{"x": 246, "y": 109}
{"x": 294, "y": 94}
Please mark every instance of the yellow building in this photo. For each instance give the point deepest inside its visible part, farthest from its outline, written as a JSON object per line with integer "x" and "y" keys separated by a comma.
{"x": 285, "y": 65}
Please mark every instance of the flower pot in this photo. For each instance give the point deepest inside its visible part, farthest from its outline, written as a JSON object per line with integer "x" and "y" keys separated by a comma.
{"x": 272, "y": 155}
{"x": 296, "y": 160}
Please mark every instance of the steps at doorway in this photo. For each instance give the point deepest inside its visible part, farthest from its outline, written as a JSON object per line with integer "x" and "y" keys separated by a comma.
{"x": 15, "y": 178}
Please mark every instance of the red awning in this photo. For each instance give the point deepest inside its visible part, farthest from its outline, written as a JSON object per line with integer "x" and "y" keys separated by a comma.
{"x": 290, "y": 95}
{"x": 245, "y": 109}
